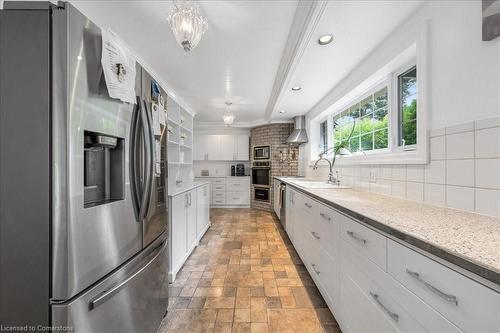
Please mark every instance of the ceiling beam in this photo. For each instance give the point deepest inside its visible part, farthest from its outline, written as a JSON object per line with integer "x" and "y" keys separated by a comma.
{"x": 306, "y": 18}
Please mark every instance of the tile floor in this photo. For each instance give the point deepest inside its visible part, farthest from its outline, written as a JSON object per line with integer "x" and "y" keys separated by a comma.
{"x": 245, "y": 276}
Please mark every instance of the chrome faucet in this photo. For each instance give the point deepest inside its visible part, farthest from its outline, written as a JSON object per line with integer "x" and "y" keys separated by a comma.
{"x": 331, "y": 179}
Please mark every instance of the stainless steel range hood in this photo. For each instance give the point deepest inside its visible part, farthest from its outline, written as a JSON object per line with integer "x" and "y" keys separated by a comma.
{"x": 299, "y": 134}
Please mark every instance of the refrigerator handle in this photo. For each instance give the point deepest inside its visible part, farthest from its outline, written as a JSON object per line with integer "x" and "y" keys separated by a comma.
{"x": 103, "y": 297}
{"x": 149, "y": 160}
{"x": 134, "y": 139}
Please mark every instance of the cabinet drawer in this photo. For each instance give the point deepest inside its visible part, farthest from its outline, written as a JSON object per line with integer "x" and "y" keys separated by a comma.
{"x": 308, "y": 205}
{"x": 218, "y": 187}
{"x": 425, "y": 315}
{"x": 240, "y": 185}
{"x": 370, "y": 243}
{"x": 218, "y": 202}
{"x": 219, "y": 195}
{"x": 369, "y": 308}
{"x": 237, "y": 198}
{"x": 324, "y": 270}
{"x": 218, "y": 181}
{"x": 466, "y": 303}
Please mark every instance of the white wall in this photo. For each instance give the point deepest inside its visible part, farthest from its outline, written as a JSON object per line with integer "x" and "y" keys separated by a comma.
{"x": 218, "y": 168}
{"x": 464, "y": 115}
{"x": 464, "y": 71}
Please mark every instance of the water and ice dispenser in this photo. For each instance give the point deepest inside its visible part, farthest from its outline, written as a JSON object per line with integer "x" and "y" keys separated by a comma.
{"x": 104, "y": 173}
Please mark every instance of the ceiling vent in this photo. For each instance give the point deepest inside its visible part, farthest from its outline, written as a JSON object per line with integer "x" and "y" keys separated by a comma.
{"x": 299, "y": 134}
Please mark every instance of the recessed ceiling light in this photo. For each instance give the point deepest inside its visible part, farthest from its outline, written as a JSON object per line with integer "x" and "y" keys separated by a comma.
{"x": 296, "y": 88}
{"x": 282, "y": 111}
{"x": 325, "y": 39}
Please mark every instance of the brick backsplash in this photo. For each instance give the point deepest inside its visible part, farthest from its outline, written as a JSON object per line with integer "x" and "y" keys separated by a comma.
{"x": 274, "y": 135}
{"x": 463, "y": 171}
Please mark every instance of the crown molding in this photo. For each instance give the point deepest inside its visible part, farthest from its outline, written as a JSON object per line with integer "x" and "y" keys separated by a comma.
{"x": 307, "y": 17}
{"x": 240, "y": 124}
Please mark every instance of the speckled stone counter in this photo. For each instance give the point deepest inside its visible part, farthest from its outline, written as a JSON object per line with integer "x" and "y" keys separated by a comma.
{"x": 470, "y": 241}
{"x": 184, "y": 187}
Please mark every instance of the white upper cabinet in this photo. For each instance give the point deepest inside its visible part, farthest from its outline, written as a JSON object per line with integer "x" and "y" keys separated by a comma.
{"x": 210, "y": 147}
{"x": 242, "y": 147}
{"x": 200, "y": 147}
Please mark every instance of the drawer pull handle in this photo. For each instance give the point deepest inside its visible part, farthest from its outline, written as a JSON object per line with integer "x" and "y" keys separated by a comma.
{"x": 394, "y": 316}
{"x": 315, "y": 235}
{"x": 315, "y": 270}
{"x": 326, "y": 217}
{"x": 447, "y": 297}
{"x": 356, "y": 237}
{"x": 308, "y": 205}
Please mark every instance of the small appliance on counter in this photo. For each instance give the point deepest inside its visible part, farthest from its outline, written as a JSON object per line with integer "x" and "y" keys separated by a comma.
{"x": 240, "y": 170}
{"x": 233, "y": 170}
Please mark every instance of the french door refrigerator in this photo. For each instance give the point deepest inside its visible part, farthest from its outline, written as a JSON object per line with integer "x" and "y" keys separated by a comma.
{"x": 83, "y": 198}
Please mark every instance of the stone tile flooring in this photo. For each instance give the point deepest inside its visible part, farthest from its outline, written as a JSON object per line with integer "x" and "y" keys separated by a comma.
{"x": 245, "y": 276}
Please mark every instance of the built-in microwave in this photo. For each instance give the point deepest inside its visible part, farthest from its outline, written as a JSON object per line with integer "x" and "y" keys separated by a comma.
{"x": 261, "y": 152}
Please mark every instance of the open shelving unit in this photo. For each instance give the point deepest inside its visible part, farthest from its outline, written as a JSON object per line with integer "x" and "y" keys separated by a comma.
{"x": 179, "y": 144}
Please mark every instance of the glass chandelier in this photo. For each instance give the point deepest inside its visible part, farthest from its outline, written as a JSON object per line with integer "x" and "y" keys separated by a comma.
{"x": 228, "y": 115}
{"x": 187, "y": 23}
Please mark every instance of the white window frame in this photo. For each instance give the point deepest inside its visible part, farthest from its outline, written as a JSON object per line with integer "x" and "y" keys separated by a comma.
{"x": 395, "y": 154}
{"x": 370, "y": 91}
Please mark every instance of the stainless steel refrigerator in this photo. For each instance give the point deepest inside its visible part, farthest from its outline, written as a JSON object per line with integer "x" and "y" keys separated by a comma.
{"x": 83, "y": 196}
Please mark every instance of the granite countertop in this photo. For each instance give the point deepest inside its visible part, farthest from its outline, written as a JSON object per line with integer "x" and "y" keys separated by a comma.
{"x": 222, "y": 176}
{"x": 468, "y": 240}
{"x": 184, "y": 187}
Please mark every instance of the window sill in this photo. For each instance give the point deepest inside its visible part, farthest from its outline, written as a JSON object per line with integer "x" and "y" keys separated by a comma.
{"x": 402, "y": 157}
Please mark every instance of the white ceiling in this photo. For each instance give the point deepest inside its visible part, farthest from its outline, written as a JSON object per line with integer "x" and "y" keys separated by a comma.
{"x": 236, "y": 60}
{"x": 239, "y": 57}
{"x": 358, "y": 27}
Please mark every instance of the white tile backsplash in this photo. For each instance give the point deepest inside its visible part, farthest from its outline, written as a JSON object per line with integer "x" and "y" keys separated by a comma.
{"x": 488, "y": 173}
{"x": 415, "y": 173}
{"x": 460, "y": 145}
{"x": 463, "y": 172}
{"x": 435, "y": 172}
{"x": 435, "y": 194}
{"x": 415, "y": 191}
{"x": 487, "y": 143}
{"x": 438, "y": 148}
{"x": 398, "y": 188}
{"x": 488, "y": 202}
{"x": 399, "y": 172}
{"x": 464, "y": 127}
{"x": 460, "y": 172}
{"x": 460, "y": 197}
{"x": 487, "y": 123}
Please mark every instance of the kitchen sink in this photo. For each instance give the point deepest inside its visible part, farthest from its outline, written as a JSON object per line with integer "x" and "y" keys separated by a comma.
{"x": 319, "y": 184}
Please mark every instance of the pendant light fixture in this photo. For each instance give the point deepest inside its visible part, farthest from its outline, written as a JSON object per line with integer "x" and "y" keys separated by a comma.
{"x": 187, "y": 23}
{"x": 228, "y": 115}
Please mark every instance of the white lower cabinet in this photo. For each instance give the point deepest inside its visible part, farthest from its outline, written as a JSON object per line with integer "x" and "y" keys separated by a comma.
{"x": 203, "y": 210}
{"x": 229, "y": 191}
{"x": 374, "y": 284}
{"x": 188, "y": 221}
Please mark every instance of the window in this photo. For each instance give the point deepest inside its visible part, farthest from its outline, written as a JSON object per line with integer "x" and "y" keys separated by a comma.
{"x": 323, "y": 137}
{"x": 368, "y": 122}
{"x": 407, "y": 107}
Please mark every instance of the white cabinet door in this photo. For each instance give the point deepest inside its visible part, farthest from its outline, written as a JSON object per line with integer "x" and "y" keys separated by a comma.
{"x": 191, "y": 212}
{"x": 242, "y": 147}
{"x": 178, "y": 232}
{"x": 213, "y": 147}
{"x": 290, "y": 211}
{"x": 203, "y": 207}
{"x": 200, "y": 147}
{"x": 226, "y": 146}
{"x": 276, "y": 197}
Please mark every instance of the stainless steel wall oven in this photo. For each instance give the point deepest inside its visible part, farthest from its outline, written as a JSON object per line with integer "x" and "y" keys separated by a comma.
{"x": 261, "y": 174}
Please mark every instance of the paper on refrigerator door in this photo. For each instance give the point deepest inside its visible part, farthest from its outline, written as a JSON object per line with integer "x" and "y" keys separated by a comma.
{"x": 157, "y": 158}
{"x": 118, "y": 66}
{"x": 156, "y": 119}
